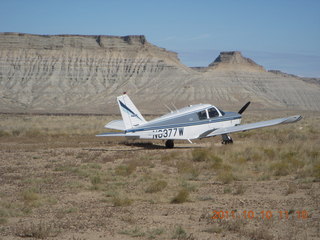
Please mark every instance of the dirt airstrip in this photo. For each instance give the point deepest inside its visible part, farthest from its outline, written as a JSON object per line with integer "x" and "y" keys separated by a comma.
{"x": 68, "y": 184}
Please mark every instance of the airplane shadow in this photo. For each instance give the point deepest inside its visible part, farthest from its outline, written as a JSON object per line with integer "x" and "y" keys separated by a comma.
{"x": 152, "y": 146}
{"x": 138, "y": 146}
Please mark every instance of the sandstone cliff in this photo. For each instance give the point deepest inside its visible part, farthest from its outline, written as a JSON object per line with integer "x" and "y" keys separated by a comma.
{"x": 84, "y": 74}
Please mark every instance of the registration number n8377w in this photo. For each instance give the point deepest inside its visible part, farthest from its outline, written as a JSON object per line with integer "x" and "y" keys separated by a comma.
{"x": 167, "y": 133}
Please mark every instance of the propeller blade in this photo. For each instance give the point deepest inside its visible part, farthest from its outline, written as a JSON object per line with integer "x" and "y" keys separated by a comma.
{"x": 244, "y": 108}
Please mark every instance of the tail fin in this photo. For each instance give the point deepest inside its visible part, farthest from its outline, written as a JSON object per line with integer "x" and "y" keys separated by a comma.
{"x": 130, "y": 114}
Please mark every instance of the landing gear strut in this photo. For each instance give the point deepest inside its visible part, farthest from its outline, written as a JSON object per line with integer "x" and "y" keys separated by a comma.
{"x": 169, "y": 144}
{"x": 226, "y": 139}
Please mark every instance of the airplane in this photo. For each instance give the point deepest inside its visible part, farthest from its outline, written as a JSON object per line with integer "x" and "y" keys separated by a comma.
{"x": 188, "y": 123}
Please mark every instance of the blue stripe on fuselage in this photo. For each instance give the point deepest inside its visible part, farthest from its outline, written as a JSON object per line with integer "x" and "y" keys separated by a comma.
{"x": 219, "y": 119}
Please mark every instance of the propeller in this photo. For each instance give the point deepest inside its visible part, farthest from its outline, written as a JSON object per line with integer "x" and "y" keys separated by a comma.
{"x": 244, "y": 108}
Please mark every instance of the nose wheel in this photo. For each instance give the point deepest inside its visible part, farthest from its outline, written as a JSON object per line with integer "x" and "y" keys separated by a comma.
{"x": 169, "y": 144}
{"x": 226, "y": 139}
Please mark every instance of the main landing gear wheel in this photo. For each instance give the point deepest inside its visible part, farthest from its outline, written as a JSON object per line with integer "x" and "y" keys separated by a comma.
{"x": 169, "y": 144}
{"x": 226, "y": 139}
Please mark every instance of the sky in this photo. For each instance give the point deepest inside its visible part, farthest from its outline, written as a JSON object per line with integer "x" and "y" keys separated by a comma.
{"x": 277, "y": 34}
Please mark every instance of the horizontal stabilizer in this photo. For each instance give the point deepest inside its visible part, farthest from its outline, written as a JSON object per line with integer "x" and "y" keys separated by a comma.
{"x": 249, "y": 126}
{"x": 118, "y": 134}
{"x": 116, "y": 124}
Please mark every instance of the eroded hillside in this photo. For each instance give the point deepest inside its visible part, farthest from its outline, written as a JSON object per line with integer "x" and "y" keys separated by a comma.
{"x": 84, "y": 74}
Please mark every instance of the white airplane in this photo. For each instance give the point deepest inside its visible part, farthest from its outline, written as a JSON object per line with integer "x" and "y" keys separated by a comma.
{"x": 192, "y": 122}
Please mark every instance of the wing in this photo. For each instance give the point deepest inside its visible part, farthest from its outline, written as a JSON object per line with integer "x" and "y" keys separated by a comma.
{"x": 250, "y": 126}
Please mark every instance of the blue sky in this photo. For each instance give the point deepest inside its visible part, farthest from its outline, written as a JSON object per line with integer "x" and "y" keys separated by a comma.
{"x": 282, "y": 34}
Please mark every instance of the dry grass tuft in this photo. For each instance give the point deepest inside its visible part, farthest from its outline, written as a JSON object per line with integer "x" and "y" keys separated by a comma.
{"x": 121, "y": 201}
{"x": 239, "y": 189}
{"x": 225, "y": 176}
{"x": 291, "y": 188}
{"x": 179, "y": 233}
{"x": 125, "y": 170}
{"x": 136, "y": 232}
{"x": 156, "y": 186}
{"x": 214, "y": 228}
{"x": 39, "y": 231}
{"x": 181, "y": 197}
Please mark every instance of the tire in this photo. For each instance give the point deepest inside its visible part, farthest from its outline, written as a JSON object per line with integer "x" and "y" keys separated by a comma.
{"x": 169, "y": 144}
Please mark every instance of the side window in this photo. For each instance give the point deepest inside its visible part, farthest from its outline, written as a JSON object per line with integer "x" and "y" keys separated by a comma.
{"x": 213, "y": 113}
{"x": 202, "y": 115}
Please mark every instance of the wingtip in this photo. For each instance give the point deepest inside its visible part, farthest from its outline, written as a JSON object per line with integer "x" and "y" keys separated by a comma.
{"x": 293, "y": 119}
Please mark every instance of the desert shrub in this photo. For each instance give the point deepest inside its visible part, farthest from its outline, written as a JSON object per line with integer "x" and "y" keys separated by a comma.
{"x": 152, "y": 234}
{"x": 225, "y": 176}
{"x": 156, "y": 186}
{"x": 38, "y": 231}
{"x": 16, "y": 132}
{"x": 4, "y": 133}
{"x": 168, "y": 158}
{"x": 181, "y": 197}
{"x": 33, "y": 133}
{"x": 188, "y": 186}
{"x": 125, "y": 170}
{"x": 136, "y": 232}
{"x": 227, "y": 189}
{"x": 316, "y": 171}
{"x": 280, "y": 168}
{"x": 241, "y": 160}
{"x": 187, "y": 168}
{"x": 121, "y": 201}
{"x": 30, "y": 196}
{"x": 215, "y": 162}
{"x": 239, "y": 189}
{"x": 259, "y": 233}
{"x": 291, "y": 188}
{"x": 179, "y": 233}
{"x": 95, "y": 180}
{"x": 269, "y": 152}
{"x": 287, "y": 164}
{"x": 71, "y": 210}
{"x": 234, "y": 225}
{"x": 200, "y": 155}
{"x": 215, "y": 228}
{"x": 3, "y": 220}
{"x": 313, "y": 154}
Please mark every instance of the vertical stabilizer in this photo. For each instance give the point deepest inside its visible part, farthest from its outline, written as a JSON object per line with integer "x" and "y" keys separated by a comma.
{"x": 130, "y": 114}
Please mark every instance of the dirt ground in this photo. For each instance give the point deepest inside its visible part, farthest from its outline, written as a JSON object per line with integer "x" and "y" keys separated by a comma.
{"x": 72, "y": 186}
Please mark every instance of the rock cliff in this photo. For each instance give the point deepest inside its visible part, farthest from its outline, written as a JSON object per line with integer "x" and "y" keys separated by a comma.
{"x": 234, "y": 61}
{"x": 84, "y": 74}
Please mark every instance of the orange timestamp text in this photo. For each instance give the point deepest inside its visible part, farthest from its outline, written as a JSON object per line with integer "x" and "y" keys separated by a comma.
{"x": 280, "y": 214}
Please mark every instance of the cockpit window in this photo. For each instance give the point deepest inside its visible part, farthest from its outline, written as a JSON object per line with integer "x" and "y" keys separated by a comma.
{"x": 202, "y": 115}
{"x": 213, "y": 113}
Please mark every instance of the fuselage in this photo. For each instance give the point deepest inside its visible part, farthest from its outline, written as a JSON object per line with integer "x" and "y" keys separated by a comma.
{"x": 187, "y": 123}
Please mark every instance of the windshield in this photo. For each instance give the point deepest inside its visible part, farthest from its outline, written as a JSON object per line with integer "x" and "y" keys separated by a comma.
{"x": 213, "y": 113}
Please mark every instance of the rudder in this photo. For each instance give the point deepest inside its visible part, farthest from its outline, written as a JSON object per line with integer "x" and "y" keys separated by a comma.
{"x": 130, "y": 114}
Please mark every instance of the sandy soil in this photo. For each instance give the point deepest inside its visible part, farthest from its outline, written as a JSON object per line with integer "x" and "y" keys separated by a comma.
{"x": 82, "y": 187}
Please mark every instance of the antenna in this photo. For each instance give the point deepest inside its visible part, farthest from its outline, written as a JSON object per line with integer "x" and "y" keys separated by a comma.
{"x": 174, "y": 106}
{"x": 167, "y": 107}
